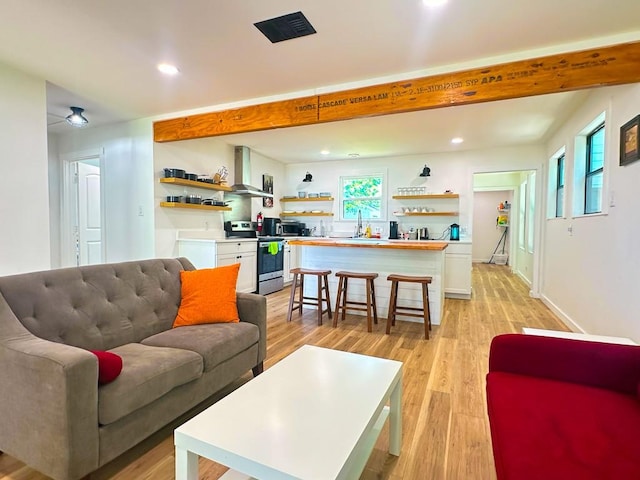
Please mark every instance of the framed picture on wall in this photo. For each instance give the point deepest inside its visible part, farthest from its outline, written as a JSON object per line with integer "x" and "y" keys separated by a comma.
{"x": 629, "y": 150}
{"x": 267, "y": 186}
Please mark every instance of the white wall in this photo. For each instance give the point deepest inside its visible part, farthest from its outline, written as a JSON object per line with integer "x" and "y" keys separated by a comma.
{"x": 205, "y": 156}
{"x": 127, "y": 181}
{"x": 486, "y": 233}
{"x": 24, "y": 243}
{"x": 591, "y": 276}
{"x": 453, "y": 171}
{"x": 55, "y": 192}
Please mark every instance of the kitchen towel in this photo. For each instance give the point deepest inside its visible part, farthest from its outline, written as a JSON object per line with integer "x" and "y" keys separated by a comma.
{"x": 273, "y": 248}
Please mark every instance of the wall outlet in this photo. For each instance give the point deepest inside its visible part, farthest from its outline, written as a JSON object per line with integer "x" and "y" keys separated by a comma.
{"x": 570, "y": 230}
{"x": 612, "y": 199}
{"x": 140, "y": 211}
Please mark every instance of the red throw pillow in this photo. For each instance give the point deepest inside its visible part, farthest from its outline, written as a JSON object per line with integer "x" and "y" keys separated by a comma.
{"x": 109, "y": 366}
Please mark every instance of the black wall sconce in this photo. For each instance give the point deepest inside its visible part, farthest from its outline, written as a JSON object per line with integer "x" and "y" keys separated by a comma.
{"x": 426, "y": 172}
{"x": 308, "y": 177}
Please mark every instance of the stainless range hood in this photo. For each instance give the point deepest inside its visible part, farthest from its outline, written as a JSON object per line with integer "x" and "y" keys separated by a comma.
{"x": 242, "y": 165}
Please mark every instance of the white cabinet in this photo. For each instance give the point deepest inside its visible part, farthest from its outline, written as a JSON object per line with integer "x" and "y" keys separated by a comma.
{"x": 291, "y": 260}
{"x": 457, "y": 276}
{"x": 243, "y": 253}
{"x": 210, "y": 253}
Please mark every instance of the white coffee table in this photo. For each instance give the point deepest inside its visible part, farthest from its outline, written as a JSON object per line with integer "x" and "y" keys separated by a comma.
{"x": 314, "y": 415}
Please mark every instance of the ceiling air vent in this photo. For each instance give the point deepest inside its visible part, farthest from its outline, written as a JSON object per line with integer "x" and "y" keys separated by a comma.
{"x": 286, "y": 27}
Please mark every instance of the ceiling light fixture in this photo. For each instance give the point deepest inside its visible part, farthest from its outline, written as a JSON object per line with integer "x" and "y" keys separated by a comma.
{"x": 168, "y": 69}
{"x": 433, "y": 3}
{"x": 324, "y": 152}
{"x": 76, "y": 119}
{"x": 457, "y": 140}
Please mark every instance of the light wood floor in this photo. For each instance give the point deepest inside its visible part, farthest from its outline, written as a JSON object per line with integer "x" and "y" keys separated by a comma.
{"x": 445, "y": 426}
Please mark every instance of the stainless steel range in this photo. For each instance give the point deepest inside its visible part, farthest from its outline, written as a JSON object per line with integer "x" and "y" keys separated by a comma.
{"x": 270, "y": 264}
{"x": 270, "y": 255}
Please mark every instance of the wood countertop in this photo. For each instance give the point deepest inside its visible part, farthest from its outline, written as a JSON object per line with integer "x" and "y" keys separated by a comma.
{"x": 397, "y": 245}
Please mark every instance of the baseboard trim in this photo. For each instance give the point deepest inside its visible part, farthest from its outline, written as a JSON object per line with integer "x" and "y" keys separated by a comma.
{"x": 564, "y": 318}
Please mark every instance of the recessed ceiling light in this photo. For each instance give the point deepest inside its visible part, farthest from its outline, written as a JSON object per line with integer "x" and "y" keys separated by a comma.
{"x": 457, "y": 140}
{"x": 168, "y": 69}
{"x": 433, "y": 3}
{"x": 325, "y": 152}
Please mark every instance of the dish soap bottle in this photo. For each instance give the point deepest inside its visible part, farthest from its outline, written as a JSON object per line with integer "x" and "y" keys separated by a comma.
{"x": 367, "y": 232}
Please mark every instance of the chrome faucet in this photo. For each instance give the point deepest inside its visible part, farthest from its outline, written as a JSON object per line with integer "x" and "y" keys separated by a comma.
{"x": 359, "y": 230}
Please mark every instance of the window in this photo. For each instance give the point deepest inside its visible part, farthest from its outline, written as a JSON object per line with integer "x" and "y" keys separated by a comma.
{"x": 531, "y": 209}
{"x": 560, "y": 186}
{"x": 362, "y": 193}
{"x": 522, "y": 214}
{"x": 594, "y": 171}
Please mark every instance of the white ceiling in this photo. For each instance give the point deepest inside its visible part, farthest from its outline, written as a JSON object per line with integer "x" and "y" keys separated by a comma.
{"x": 102, "y": 56}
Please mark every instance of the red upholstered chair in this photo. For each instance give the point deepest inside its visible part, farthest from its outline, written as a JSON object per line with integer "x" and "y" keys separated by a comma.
{"x": 563, "y": 409}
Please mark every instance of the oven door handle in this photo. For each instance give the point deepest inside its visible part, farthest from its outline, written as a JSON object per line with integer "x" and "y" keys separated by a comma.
{"x": 266, "y": 244}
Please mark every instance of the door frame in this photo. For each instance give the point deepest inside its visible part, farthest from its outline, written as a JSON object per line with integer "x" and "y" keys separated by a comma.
{"x": 68, "y": 201}
{"x": 540, "y": 206}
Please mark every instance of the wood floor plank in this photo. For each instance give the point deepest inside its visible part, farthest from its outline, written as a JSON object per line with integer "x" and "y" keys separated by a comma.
{"x": 445, "y": 427}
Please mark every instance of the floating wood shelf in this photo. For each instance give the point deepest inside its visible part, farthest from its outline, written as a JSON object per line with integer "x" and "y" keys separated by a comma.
{"x": 194, "y": 206}
{"x": 307, "y": 199}
{"x": 323, "y": 214}
{"x": 425, "y": 197}
{"x": 427, "y": 214}
{"x": 193, "y": 183}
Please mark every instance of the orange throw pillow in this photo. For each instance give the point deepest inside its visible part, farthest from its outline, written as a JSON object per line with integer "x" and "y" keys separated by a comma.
{"x": 208, "y": 296}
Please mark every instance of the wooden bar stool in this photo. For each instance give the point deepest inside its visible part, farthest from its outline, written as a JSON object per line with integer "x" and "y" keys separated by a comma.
{"x": 323, "y": 287}
{"x": 342, "y": 304}
{"x": 395, "y": 309}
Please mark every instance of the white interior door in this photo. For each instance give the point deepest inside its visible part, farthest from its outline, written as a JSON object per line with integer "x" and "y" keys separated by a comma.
{"x": 89, "y": 232}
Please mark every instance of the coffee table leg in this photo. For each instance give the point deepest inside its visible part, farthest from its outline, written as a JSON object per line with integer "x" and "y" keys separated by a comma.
{"x": 186, "y": 465}
{"x": 395, "y": 419}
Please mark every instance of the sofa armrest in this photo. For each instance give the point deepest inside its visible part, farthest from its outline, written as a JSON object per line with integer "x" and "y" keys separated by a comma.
{"x": 50, "y": 388}
{"x": 602, "y": 365}
{"x": 252, "y": 308}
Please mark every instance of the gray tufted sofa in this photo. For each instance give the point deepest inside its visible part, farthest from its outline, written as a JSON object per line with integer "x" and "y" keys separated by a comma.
{"x": 53, "y": 415}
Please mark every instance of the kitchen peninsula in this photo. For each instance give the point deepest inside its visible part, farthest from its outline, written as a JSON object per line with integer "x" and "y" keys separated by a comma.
{"x": 383, "y": 257}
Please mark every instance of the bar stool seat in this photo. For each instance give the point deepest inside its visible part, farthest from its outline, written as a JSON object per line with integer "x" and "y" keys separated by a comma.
{"x": 322, "y": 295}
{"x": 342, "y": 304}
{"x": 395, "y": 309}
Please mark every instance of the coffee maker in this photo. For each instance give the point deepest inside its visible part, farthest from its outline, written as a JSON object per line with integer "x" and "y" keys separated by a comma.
{"x": 393, "y": 230}
{"x": 270, "y": 227}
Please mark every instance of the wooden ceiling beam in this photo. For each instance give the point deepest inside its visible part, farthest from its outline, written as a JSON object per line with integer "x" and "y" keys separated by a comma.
{"x": 597, "y": 67}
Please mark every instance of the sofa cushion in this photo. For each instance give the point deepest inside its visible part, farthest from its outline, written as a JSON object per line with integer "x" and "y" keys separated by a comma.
{"x": 109, "y": 366}
{"x": 208, "y": 296}
{"x": 147, "y": 374}
{"x": 97, "y": 307}
{"x": 555, "y": 430}
{"x": 215, "y": 342}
